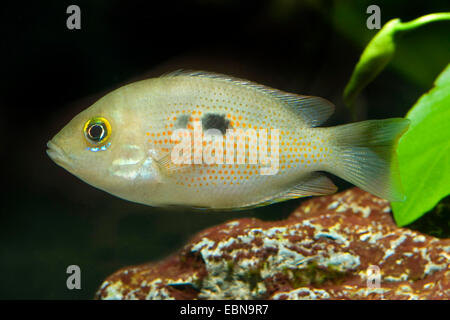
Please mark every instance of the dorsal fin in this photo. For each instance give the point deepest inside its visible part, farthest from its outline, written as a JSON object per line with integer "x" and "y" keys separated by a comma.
{"x": 313, "y": 111}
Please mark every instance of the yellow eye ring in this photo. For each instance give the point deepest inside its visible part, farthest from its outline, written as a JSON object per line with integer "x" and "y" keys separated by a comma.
{"x": 97, "y": 131}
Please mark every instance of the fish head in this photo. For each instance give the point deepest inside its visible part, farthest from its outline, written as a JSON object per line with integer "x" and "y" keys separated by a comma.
{"x": 104, "y": 145}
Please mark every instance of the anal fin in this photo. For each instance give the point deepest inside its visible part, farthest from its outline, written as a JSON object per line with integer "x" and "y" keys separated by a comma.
{"x": 314, "y": 184}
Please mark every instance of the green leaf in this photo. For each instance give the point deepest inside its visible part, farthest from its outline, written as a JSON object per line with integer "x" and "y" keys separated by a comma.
{"x": 379, "y": 52}
{"x": 373, "y": 60}
{"x": 419, "y": 55}
{"x": 424, "y": 153}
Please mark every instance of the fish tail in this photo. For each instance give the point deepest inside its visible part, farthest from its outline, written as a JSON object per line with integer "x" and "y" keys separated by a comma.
{"x": 366, "y": 155}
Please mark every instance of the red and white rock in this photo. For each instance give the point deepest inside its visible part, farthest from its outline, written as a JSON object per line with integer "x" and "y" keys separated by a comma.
{"x": 322, "y": 251}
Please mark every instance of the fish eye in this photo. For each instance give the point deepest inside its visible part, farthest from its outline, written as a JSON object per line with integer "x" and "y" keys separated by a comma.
{"x": 97, "y": 130}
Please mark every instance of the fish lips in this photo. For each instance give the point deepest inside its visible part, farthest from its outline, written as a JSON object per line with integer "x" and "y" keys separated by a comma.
{"x": 57, "y": 154}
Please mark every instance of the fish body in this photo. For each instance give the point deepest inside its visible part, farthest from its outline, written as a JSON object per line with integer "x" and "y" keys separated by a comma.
{"x": 148, "y": 142}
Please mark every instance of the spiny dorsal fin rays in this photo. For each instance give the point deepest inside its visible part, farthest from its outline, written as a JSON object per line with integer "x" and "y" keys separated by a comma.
{"x": 313, "y": 111}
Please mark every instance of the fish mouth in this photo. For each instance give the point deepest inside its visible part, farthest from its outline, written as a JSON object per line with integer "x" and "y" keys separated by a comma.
{"x": 57, "y": 154}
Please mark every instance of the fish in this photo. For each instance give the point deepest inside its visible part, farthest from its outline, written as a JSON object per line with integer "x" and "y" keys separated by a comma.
{"x": 211, "y": 141}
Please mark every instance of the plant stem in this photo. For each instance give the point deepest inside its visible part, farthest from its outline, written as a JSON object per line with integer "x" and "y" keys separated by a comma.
{"x": 416, "y": 23}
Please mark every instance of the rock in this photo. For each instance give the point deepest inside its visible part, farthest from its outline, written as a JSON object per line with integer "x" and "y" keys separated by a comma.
{"x": 322, "y": 251}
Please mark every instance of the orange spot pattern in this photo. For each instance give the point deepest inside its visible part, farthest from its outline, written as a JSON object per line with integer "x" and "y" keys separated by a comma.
{"x": 297, "y": 148}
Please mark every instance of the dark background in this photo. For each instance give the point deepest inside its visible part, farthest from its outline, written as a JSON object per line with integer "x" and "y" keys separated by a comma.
{"x": 50, "y": 219}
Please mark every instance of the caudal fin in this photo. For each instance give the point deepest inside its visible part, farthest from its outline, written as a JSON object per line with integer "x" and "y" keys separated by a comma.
{"x": 366, "y": 155}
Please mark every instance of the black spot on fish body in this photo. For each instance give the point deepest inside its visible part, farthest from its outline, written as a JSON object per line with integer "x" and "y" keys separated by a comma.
{"x": 215, "y": 121}
{"x": 182, "y": 121}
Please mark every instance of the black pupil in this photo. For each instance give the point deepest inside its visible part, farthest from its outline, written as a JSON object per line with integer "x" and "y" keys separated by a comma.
{"x": 96, "y": 132}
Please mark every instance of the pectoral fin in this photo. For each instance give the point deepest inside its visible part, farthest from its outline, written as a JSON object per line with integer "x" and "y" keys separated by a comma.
{"x": 168, "y": 167}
